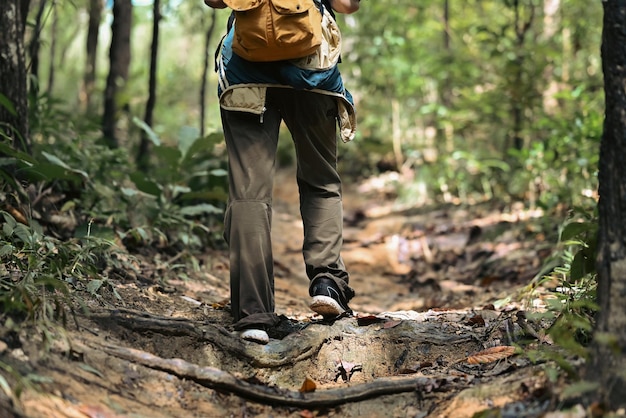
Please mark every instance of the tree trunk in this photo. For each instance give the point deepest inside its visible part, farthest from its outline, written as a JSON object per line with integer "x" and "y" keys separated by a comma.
{"x": 551, "y": 25}
{"x": 446, "y": 130}
{"x": 205, "y": 70}
{"x": 518, "y": 89}
{"x": 608, "y": 361}
{"x": 33, "y": 50}
{"x": 93, "y": 30}
{"x": 119, "y": 58}
{"x": 53, "y": 46}
{"x": 144, "y": 144}
{"x": 13, "y": 117}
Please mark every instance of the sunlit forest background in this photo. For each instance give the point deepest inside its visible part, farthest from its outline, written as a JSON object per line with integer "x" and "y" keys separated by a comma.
{"x": 467, "y": 100}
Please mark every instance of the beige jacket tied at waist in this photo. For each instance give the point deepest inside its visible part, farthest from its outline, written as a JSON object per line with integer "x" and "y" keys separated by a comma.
{"x": 251, "y": 97}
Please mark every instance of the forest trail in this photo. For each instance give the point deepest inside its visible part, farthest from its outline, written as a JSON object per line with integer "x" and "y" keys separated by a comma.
{"x": 431, "y": 296}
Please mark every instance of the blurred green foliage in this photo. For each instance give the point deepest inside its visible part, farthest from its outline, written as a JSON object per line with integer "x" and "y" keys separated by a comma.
{"x": 482, "y": 100}
{"x": 513, "y": 87}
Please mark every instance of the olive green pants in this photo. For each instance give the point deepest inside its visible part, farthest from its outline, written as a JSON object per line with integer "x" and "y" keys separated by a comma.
{"x": 252, "y": 141}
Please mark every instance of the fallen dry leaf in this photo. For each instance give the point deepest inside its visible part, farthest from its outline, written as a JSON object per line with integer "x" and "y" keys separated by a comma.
{"x": 345, "y": 365}
{"x": 220, "y": 305}
{"x": 345, "y": 369}
{"x": 491, "y": 354}
{"x": 17, "y": 214}
{"x": 308, "y": 386}
{"x": 306, "y": 414}
{"x": 476, "y": 320}
{"x": 391, "y": 324}
{"x": 365, "y": 320}
{"x": 415, "y": 367}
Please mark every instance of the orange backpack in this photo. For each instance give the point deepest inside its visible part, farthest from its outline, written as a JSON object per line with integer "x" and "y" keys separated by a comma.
{"x": 276, "y": 30}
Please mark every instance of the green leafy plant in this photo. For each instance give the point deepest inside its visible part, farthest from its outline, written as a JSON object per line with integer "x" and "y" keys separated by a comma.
{"x": 178, "y": 201}
{"x": 43, "y": 281}
{"x": 571, "y": 299}
{"x": 38, "y": 271}
{"x": 560, "y": 166}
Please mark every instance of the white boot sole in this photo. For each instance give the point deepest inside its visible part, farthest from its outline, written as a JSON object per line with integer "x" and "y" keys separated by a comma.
{"x": 255, "y": 335}
{"x": 326, "y": 306}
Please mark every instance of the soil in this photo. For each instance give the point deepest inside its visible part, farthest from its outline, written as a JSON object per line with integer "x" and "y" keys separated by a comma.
{"x": 435, "y": 287}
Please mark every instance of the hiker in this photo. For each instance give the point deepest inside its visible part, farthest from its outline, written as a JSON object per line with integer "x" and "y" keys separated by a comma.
{"x": 307, "y": 94}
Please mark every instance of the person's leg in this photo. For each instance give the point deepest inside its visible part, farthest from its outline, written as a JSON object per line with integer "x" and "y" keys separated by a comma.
{"x": 251, "y": 148}
{"x": 311, "y": 119}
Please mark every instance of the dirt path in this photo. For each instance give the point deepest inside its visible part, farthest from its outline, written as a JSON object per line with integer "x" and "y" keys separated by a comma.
{"x": 429, "y": 286}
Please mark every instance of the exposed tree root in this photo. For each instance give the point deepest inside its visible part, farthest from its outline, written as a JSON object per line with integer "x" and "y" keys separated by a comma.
{"x": 294, "y": 348}
{"x": 220, "y": 380}
{"x": 281, "y": 352}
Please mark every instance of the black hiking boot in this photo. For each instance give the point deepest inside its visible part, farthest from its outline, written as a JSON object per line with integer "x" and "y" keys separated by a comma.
{"x": 327, "y": 300}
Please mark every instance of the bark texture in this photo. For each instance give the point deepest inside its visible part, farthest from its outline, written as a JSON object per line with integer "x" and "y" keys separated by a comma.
{"x": 205, "y": 70}
{"x": 34, "y": 47}
{"x": 119, "y": 58}
{"x": 93, "y": 30}
{"x": 144, "y": 144}
{"x": 14, "y": 121}
{"x": 608, "y": 365}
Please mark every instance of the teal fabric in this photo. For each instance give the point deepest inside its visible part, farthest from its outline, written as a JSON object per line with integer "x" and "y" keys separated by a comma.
{"x": 237, "y": 70}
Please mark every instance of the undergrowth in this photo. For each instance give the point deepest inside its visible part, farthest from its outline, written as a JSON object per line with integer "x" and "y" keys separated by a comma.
{"x": 74, "y": 212}
{"x": 570, "y": 303}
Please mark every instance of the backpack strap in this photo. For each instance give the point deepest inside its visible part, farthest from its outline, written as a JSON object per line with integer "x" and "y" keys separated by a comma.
{"x": 326, "y": 5}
